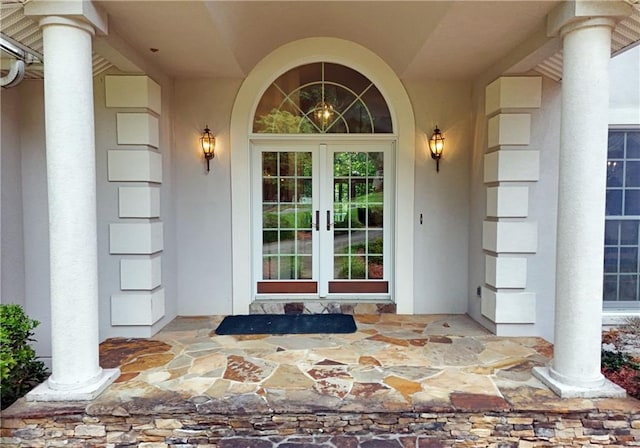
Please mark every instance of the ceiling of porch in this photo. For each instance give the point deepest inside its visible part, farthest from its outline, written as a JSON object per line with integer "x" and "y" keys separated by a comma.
{"x": 418, "y": 39}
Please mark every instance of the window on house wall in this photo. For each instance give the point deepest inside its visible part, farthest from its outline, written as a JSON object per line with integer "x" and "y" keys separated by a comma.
{"x": 322, "y": 98}
{"x": 622, "y": 224}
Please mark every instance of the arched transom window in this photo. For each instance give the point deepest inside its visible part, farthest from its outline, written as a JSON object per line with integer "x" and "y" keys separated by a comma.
{"x": 322, "y": 98}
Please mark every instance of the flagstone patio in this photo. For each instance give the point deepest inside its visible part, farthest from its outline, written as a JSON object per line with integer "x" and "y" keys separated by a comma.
{"x": 428, "y": 376}
{"x": 392, "y": 363}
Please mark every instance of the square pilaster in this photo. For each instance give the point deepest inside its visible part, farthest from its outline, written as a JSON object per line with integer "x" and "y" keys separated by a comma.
{"x": 134, "y": 165}
{"x": 506, "y": 272}
{"x": 137, "y": 308}
{"x": 510, "y": 237}
{"x": 509, "y": 307}
{"x": 136, "y": 91}
{"x": 143, "y": 273}
{"x": 139, "y": 202}
{"x": 138, "y": 129}
{"x": 509, "y": 130}
{"x": 512, "y": 166}
{"x": 513, "y": 92}
{"x": 136, "y": 238}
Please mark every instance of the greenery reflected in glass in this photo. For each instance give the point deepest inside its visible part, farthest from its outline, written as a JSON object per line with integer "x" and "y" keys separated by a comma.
{"x": 358, "y": 210}
{"x": 322, "y": 98}
{"x": 286, "y": 215}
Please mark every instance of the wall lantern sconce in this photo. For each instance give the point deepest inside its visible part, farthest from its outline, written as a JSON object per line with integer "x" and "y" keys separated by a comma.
{"x": 208, "y": 143}
{"x": 436, "y": 145}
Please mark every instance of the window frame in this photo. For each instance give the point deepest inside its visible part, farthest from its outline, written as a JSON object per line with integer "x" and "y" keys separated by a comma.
{"x": 618, "y": 245}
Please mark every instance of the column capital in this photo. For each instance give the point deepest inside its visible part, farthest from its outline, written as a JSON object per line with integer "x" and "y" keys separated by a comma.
{"x": 76, "y": 10}
{"x": 577, "y": 13}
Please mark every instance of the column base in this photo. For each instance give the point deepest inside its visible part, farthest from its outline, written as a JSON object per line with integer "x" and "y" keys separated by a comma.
{"x": 87, "y": 393}
{"x": 606, "y": 389}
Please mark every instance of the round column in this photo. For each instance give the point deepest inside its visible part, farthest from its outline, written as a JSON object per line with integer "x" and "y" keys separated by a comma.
{"x": 71, "y": 178}
{"x": 581, "y": 203}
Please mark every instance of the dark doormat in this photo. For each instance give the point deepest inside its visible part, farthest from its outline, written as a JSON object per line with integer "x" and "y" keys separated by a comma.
{"x": 287, "y": 324}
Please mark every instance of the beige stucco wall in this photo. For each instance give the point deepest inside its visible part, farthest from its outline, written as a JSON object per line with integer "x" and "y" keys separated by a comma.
{"x": 441, "y": 242}
{"x": 107, "y": 199}
{"x": 203, "y": 201}
{"x": 27, "y": 186}
{"x": 196, "y": 207}
{"x": 545, "y": 137}
{"x": 12, "y": 254}
{"x": 624, "y": 85}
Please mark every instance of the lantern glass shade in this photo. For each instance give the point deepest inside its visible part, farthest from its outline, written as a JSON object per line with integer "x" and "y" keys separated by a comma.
{"x": 208, "y": 143}
{"x": 323, "y": 112}
{"x": 436, "y": 144}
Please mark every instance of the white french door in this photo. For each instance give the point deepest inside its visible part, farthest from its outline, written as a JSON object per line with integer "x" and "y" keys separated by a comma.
{"x": 322, "y": 218}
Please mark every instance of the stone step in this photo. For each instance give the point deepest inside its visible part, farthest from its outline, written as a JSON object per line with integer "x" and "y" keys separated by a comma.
{"x": 321, "y": 307}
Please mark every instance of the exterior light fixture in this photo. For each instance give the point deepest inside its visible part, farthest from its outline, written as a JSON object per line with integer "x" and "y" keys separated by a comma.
{"x": 208, "y": 143}
{"x": 323, "y": 112}
{"x": 436, "y": 145}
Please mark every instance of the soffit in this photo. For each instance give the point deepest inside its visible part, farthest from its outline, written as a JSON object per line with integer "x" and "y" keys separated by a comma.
{"x": 476, "y": 34}
{"x": 25, "y": 33}
{"x": 625, "y": 35}
{"x": 418, "y": 39}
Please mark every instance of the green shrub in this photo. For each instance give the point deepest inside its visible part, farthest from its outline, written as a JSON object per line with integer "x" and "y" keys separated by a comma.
{"x": 615, "y": 360}
{"x": 20, "y": 371}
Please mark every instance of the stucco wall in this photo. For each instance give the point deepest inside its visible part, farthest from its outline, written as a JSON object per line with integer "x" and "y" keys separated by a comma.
{"x": 203, "y": 201}
{"x": 203, "y": 226}
{"x": 477, "y": 206}
{"x": 442, "y": 240}
{"x": 35, "y": 214}
{"x": 624, "y": 85}
{"x": 109, "y": 265}
{"x": 196, "y": 207}
{"x": 543, "y": 206}
{"x": 12, "y": 254}
{"x": 27, "y": 215}
{"x": 545, "y": 137}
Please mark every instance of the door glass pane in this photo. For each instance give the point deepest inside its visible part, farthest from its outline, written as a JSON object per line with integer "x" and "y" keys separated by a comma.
{"x": 358, "y": 204}
{"x": 287, "y": 238}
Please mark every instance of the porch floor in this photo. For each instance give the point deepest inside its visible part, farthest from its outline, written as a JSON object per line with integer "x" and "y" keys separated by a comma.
{"x": 393, "y": 363}
{"x": 398, "y": 382}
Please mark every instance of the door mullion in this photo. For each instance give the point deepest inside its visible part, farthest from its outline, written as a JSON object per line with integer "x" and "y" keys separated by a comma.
{"x": 325, "y": 179}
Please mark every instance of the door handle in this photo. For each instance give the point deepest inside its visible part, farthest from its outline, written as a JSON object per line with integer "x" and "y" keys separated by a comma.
{"x": 317, "y": 224}
{"x": 328, "y": 220}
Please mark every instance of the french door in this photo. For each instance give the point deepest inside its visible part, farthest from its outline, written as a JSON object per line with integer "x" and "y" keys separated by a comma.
{"x": 322, "y": 219}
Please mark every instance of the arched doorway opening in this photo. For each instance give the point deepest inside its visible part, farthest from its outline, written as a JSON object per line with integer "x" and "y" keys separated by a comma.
{"x": 270, "y": 251}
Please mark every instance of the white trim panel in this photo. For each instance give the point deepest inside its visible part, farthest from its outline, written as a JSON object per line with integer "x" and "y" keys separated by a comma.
{"x": 135, "y": 238}
{"x": 512, "y": 166}
{"x": 138, "y": 129}
{"x": 139, "y": 202}
{"x": 509, "y": 307}
{"x": 140, "y": 308}
{"x": 141, "y": 273}
{"x": 133, "y": 91}
{"x": 134, "y": 165}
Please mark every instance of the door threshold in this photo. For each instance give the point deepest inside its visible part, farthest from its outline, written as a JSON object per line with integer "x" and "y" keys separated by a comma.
{"x": 323, "y": 307}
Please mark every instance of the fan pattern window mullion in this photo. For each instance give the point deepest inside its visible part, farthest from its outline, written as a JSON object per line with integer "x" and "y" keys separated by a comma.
{"x": 322, "y": 98}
